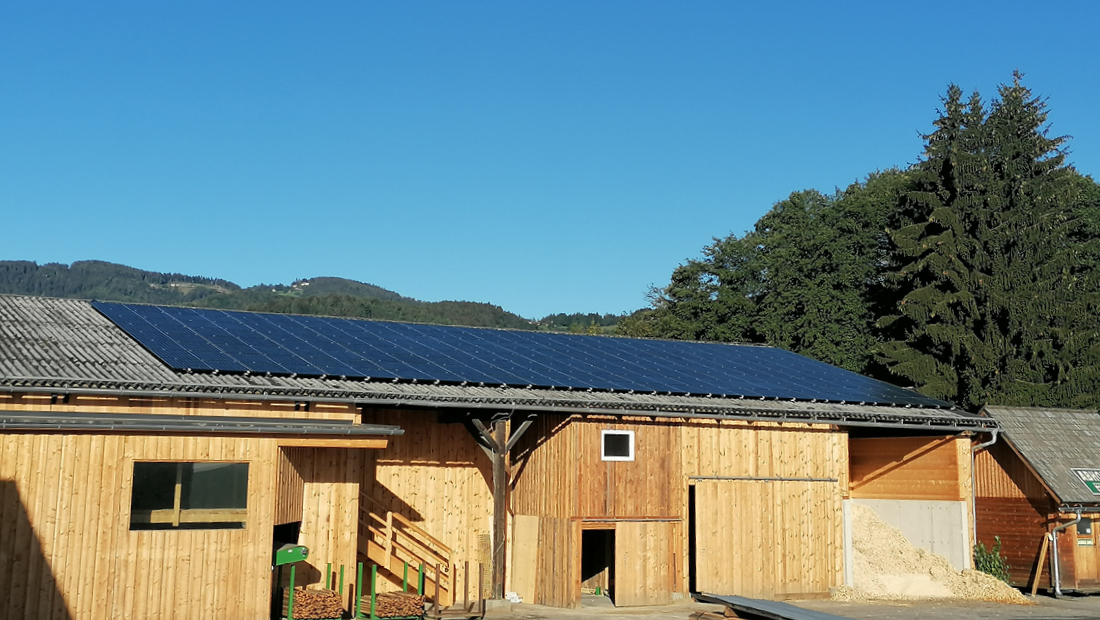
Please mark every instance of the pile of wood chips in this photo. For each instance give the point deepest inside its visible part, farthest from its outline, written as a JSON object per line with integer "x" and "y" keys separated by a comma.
{"x": 394, "y": 605}
{"x": 314, "y": 604}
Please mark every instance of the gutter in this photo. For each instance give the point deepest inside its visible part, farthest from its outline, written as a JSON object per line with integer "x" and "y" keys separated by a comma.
{"x": 974, "y": 491}
{"x": 99, "y": 422}
{"x": 1055, "y": 572}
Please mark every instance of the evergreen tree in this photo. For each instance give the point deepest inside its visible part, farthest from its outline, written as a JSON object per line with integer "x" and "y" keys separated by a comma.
{"x": 986, "y": 263}
{"x": 933, "y": 335}
{"x": 804, "y": 279}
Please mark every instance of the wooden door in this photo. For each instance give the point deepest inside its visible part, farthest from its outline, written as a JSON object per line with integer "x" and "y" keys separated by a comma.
{"x": 559, "y": 563}
{"x": 1085, "y": 560}
{"x": 761, "y": 539}
{"x": 644, "y": 562}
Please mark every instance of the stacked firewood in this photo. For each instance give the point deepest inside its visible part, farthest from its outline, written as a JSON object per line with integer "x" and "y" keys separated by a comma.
{"x": 394, "y": 605}
{"x": 315, "y": 604}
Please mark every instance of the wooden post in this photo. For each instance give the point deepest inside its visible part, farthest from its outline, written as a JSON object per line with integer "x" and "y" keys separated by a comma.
{"x": 500, "y": 506}
{"x": 1039, "y": 568}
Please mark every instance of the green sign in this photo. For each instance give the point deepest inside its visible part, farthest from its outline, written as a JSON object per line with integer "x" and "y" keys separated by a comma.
{"x": 1090, "y": 478}
{"x": 289, "y": 554}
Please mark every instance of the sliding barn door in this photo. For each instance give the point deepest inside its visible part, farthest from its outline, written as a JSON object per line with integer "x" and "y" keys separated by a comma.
{"x": 761, "y": 539}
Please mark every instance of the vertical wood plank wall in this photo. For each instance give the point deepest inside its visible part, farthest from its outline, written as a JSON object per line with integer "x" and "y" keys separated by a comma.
{"x": 330, "y": 520}
{"x": 559, "y": 474}
{"x": 1012, "y": 504}
{"x": 737, "y": 449}
{"x": 66, "y": 549}
{"x": 291, "y": 489}
{"x": 436, "y": 476}
{"x": 72, "y": 555}
{"x": 917, "y": 468}
{"x": 783, "y": 537}
{"x": 645, "y": 562}
{"x": 558, "y": 581}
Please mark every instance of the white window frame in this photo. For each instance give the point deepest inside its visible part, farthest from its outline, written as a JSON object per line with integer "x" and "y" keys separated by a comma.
{"x": 603, "y": 445}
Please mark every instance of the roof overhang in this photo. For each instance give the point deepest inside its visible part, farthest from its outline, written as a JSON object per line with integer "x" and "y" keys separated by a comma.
{"x": 502, "y": 402}
{"x": 288, "y": 431}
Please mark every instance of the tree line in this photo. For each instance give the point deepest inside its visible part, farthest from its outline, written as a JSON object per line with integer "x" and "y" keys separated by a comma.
{"x": 970, "y": 276}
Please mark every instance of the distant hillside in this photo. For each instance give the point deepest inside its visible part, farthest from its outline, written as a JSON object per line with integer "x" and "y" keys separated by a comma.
{"x": 315, "y": 287}
{"x": 319, "y": 296}
{"x": 93, "y": 279}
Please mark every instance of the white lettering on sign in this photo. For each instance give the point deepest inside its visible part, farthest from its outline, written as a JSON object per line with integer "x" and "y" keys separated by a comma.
{"x": 1090, "y": 478}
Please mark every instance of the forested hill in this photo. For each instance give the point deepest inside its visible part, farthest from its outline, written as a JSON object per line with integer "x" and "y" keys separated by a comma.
{"x": 321, "y": 296}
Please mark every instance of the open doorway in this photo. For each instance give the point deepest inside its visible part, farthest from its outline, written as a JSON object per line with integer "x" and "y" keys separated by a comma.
{"x": 597, "y": 565}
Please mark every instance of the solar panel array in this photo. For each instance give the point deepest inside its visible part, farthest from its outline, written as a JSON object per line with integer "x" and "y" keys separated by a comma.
{"x": 206, "y": 340}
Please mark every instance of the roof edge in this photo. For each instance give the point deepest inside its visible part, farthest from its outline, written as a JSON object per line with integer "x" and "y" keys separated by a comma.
{"x": 951, "y": 421}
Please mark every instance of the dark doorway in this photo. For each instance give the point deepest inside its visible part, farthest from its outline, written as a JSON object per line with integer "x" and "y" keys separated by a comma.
{"x": 691, "y": 539}
{"x": 598, "y": 562}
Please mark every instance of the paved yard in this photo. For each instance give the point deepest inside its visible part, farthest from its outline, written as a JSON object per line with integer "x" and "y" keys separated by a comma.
{"x": 1045, "y": 608}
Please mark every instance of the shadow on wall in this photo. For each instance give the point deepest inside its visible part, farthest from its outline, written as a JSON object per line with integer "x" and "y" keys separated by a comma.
{"x": 28, "y": 588}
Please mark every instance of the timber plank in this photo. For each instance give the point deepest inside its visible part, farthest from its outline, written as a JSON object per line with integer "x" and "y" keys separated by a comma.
{"x": 773, "y": 610}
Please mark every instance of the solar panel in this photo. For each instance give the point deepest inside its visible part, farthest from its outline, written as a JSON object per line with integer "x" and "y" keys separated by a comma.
{"x": 208, "y": 340}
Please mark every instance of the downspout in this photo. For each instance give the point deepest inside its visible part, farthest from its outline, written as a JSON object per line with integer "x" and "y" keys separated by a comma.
{"x": 974, "y": 491}
{"x": 1055, "y": 572}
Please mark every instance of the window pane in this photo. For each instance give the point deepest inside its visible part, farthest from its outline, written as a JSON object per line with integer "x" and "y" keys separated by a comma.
{"x": 154, "y": 486}
{"x": 616, "y": 444}
{"x": 210, "y": 496}
{"x": 215, "y": 485}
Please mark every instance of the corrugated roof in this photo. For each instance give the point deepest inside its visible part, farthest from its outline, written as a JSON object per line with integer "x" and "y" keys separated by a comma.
{"x": 1055, "y": 442}
{"x": 66, "y": 346}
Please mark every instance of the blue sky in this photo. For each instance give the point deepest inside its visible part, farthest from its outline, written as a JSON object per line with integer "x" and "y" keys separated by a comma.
{"x": 545, "y": 157}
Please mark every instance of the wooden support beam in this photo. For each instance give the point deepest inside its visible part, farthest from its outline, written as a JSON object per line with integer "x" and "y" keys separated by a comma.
{"x": 497, "y": 444}
{"x": 500, "y": 507}
{"x": 486, "y": 435}
{"x": 518, "y": 432}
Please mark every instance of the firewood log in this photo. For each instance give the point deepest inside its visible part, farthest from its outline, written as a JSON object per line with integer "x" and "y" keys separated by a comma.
{"x": 315, "y": 604}
{"x": 394, "y": 604}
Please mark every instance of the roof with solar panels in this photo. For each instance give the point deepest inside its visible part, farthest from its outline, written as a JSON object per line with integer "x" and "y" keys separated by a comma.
{"x": 76, "y": 346}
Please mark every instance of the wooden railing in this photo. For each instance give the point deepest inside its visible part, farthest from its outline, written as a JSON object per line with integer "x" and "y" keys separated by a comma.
{"x": 391, "y": 540}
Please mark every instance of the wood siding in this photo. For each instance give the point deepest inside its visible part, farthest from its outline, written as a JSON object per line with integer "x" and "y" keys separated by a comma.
{"x": 436, "y": 476}
{"x": 559, "y": 563}
{"x": 645, "y": 561}
{"x": 291, "y": 489}
{"x": 919, "y": 468}
{"x": 330, "y": 521}
{"x": 1012, "y": 504}
{"x": 559, "y": 474}
{"x": 766, "y": 539}
{"x": 66, "y": 549}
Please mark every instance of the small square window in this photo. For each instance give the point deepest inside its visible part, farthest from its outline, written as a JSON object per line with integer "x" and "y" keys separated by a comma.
{"x": 617, "y": 445}
{"x": 189, "y": 496}
{"x": 1084, "y": 528}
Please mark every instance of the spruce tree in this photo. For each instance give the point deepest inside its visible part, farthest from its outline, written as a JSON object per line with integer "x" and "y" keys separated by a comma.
{"x": 993, "y": 306}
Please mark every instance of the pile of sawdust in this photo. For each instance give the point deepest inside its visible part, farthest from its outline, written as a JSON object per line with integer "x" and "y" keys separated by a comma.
{"x": 888, "y": 567}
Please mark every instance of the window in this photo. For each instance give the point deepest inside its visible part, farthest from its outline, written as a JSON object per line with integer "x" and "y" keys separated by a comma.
{"x": 617, "y": 445}
{"x": 189, "y": 496}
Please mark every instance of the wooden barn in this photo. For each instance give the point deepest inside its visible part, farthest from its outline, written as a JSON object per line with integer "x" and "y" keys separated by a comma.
{"x": 1041, "y": 481}
{"x": 543, "y": 464}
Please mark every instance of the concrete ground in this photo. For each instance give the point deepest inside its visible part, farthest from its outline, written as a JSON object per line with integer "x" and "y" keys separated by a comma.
{"x": 1045, "y": 608}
